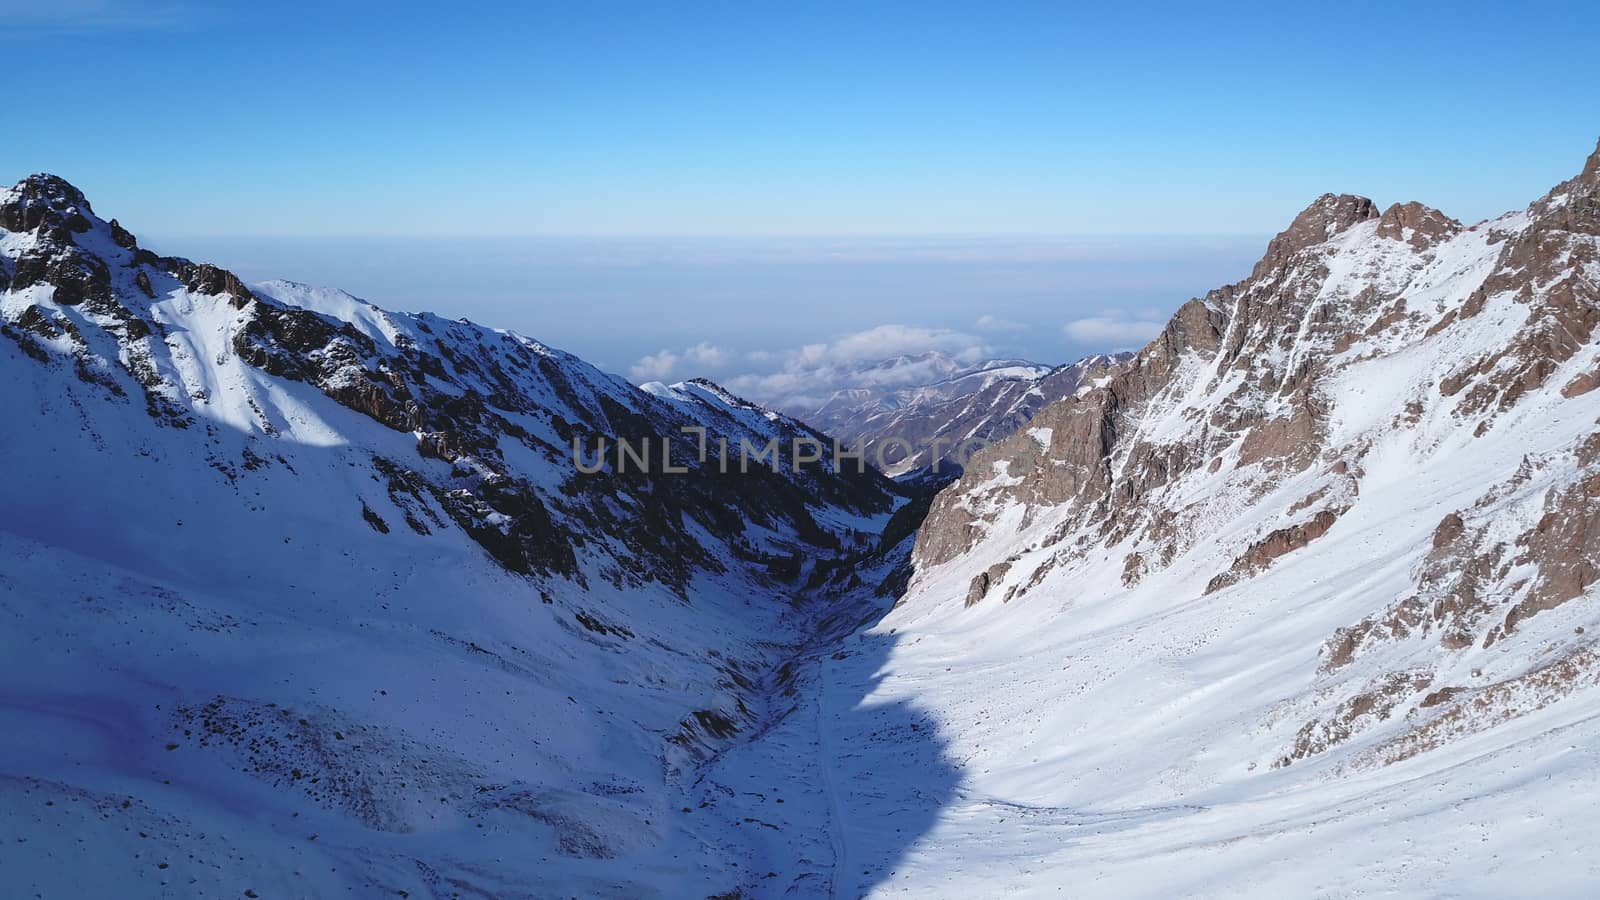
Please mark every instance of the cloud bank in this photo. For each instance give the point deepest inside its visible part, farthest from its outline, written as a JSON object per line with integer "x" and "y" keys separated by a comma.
{"x": 883, "y": 357}
{"x": 809, "y": 374}
{"x": 1114, "y": 331}
{"x": 701, "y": 359}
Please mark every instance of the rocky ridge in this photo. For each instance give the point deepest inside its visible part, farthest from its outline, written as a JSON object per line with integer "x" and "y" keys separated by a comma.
{"x": 1288, "y": 407}
{"x": 342, "y": 561}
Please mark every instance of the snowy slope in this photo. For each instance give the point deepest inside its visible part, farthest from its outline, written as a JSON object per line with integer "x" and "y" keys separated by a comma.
{"x": 1300, "y": 603}
{"x": 307, "y": 598}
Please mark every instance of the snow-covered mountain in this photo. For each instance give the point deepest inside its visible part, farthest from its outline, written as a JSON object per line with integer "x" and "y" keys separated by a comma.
{"x": 912, "y": 412}
{"x": 1301, "y": 601}
{"x": 302, "y": 597}
{"x": 305, "y": 598}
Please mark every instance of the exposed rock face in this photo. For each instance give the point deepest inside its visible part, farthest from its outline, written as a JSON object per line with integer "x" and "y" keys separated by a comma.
{"x": 1275, "y": 418}
{"x": 45, "y": 203}
{"x": 1418, "y": 225}
{"x": 1284, "y": 540}
{"x": 1326, "y": 217}
{"x": 56, "y": 212}
{"x": 983, "y": 581}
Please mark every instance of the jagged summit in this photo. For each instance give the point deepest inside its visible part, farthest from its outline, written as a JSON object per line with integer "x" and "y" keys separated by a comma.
{"x": 1420, "y": 225}
{"x": 45, "y": 185}
{"x": 1325, "y": 217}
{"x": 44, "y": 200}
{"x": 1573, "y": 205}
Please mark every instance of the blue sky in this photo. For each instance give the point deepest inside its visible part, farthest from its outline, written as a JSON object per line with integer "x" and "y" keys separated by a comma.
{"x": 252, "y": 129}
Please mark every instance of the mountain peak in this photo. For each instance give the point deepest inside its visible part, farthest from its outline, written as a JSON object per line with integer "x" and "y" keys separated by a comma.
{"x": 1327, "y": 216}
{"x": 43, "y": 198}
{"x": 46, "y": 184}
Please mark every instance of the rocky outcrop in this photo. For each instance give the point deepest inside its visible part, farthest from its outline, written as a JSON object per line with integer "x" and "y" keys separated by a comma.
{"x": 1451, "y": 713}
{"x": 1281, "y": 541}
{"x": 46, "y": 204}
{"x": 983, "y": 581}
{"x": 1563, "y": 547}
{"x": 1418, "y": 225}
{"x": 74, "y": 277}
{"x": 204, "y": 278}
{"x": 1375, "y": 703}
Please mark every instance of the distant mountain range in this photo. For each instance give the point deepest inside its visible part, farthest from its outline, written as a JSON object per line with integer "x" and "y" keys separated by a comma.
{"x": 918, "y": 416}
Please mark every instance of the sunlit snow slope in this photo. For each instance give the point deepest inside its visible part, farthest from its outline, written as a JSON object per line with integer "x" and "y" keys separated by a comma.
{"x": 1301, "y": 603}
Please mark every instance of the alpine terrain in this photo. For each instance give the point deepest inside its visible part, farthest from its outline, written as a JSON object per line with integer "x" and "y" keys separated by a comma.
{"x": 306, "y": 598}
{"x": 1302, "y": 601}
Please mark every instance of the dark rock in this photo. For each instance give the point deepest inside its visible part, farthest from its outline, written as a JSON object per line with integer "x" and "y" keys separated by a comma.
{"x": 45, "y": 201}
{"x": 122, "y": 236}
{"x": 205, "y": 278}
{"x": 33, "y": 319}
{"x": 983, "y": 581}
{"x": 76, "y": 276}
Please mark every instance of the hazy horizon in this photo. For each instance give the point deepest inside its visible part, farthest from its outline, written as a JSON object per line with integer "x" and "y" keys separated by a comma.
{"x": 731, "y": 309}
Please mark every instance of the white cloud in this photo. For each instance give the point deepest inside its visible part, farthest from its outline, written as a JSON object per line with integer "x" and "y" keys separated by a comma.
{"x": 707, "y": 356}
{"x": 886, "y": 356}
{"x": 887, "y": 341}
{"x": 698, "y": 360}
{"x": 1113, "y": 332}
{"x": 655, "y": 367}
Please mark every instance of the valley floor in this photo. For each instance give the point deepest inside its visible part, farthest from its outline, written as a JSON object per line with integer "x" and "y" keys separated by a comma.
{"x": 857, "y": 791}
{"x": 882, "y": 766}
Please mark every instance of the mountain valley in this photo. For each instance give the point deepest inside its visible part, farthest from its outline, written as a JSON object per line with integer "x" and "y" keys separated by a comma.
{"x": 304, "y": 597}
